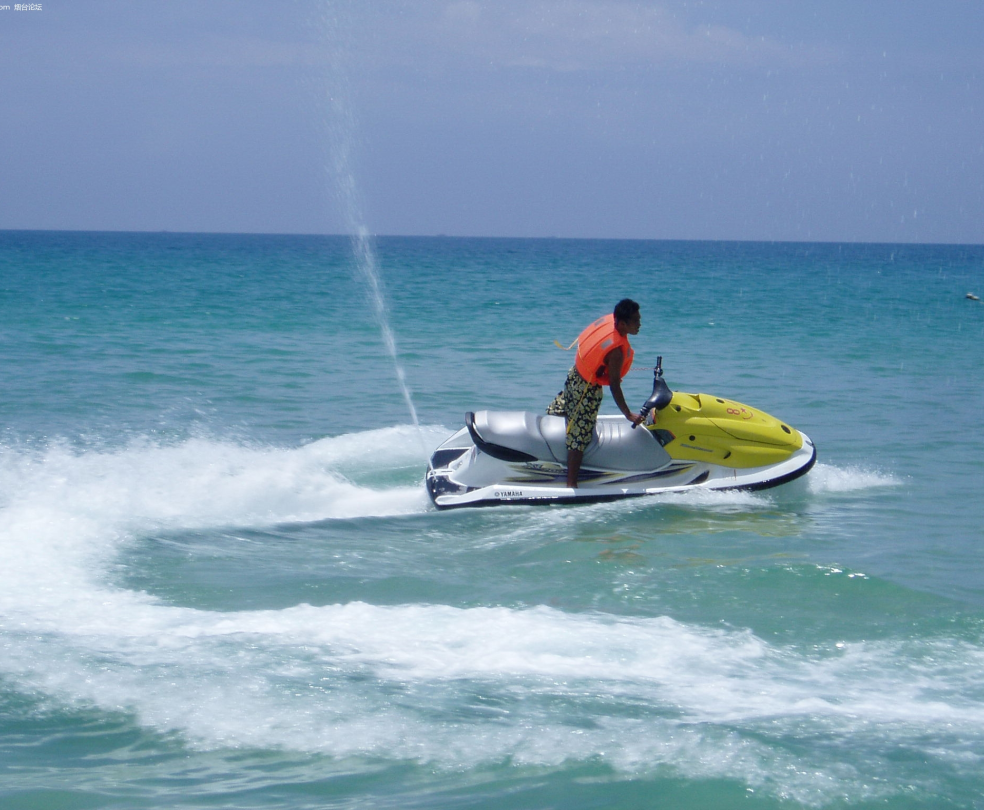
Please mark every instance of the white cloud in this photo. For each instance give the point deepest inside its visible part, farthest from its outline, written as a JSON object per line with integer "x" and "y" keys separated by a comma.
{"x": 570, "y": 35}
{"x": 437, "y": 36}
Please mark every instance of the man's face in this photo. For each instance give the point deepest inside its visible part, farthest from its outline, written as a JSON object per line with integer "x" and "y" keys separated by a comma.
{"x": 632, "y": 324}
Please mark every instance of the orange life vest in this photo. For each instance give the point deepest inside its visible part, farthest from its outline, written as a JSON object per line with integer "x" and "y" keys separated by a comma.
{"x": 594, "y": 344}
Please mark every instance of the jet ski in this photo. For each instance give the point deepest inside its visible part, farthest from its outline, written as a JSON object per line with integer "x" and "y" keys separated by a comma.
{"x": 688, "y": 441}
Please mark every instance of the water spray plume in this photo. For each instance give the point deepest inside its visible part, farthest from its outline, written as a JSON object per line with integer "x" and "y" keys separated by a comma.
{"x": 341, "y": 136}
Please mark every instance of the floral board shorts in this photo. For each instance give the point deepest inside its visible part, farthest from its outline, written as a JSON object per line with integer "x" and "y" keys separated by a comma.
{"x": 578, "y": 403}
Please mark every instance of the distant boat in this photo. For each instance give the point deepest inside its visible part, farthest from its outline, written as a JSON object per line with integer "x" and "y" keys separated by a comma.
{"x": 972, "y": 297}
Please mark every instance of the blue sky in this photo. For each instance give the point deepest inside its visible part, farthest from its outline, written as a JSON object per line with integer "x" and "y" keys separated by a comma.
{"x": 760, "y": 120}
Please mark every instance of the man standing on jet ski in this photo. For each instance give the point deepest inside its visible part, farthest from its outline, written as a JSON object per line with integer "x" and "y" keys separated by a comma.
{"x": 604, "y": 357}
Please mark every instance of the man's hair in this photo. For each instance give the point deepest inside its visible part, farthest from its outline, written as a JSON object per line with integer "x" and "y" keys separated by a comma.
{"x": 625, "y": 309}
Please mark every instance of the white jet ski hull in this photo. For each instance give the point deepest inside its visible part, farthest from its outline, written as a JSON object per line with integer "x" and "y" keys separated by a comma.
{"x": 462, "y": 472}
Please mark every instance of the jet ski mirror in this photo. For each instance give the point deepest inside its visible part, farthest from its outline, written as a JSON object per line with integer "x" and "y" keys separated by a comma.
{"x": 661, "y": 395}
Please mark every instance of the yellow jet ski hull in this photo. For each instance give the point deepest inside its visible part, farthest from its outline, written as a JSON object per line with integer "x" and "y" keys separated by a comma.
{"x": 702, "y": 427}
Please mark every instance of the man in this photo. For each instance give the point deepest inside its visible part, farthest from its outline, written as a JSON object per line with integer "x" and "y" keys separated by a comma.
{"x": 604, "y": 357}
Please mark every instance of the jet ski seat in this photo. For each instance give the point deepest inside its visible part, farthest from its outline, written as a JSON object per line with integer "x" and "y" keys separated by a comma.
{"x": 518, "y": 436}
{"x": 616, "y": 446}
{"x": 524, "y": 436}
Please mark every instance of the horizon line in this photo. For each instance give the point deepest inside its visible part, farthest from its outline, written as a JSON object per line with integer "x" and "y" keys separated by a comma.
{"x": 721, "y": 240}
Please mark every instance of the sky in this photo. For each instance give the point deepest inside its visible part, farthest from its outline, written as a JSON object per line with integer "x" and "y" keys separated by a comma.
{"x": 674, "y": 119}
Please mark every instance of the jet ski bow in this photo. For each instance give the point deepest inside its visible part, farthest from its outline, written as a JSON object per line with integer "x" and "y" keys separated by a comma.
{"x": 693, "y": 441}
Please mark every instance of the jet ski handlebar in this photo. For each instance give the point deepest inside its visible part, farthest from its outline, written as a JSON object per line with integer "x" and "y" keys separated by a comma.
{"x": 661, "y": 394}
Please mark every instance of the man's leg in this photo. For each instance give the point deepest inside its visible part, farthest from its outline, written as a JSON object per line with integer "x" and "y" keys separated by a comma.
{"x": 580, "y": 425}
{"x": 574, "y": 458}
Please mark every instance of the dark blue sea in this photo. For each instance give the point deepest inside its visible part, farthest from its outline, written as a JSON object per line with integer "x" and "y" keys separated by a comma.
{"x": 222, "y": 584}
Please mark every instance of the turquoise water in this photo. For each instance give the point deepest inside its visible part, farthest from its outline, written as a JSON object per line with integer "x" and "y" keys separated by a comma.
{"x": 222, "y": 583}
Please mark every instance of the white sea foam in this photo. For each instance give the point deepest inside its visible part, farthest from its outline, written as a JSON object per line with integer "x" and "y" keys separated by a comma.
{"x": 455, "y": 687}
{"x": 716, "y": 499}
{"x": 825, "y": 478}
{"x": 67, "y": 512}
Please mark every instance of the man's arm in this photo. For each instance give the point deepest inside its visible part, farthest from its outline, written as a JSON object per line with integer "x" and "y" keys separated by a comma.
{"x": 614, "y": 362}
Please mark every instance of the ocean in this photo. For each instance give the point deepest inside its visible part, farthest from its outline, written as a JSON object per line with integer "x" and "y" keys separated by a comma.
{"x": 222, "y": 584}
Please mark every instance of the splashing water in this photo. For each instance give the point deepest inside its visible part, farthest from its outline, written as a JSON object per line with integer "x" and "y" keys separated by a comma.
{"x": 365, "y": 258}
{"x": 341, "y": 133}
